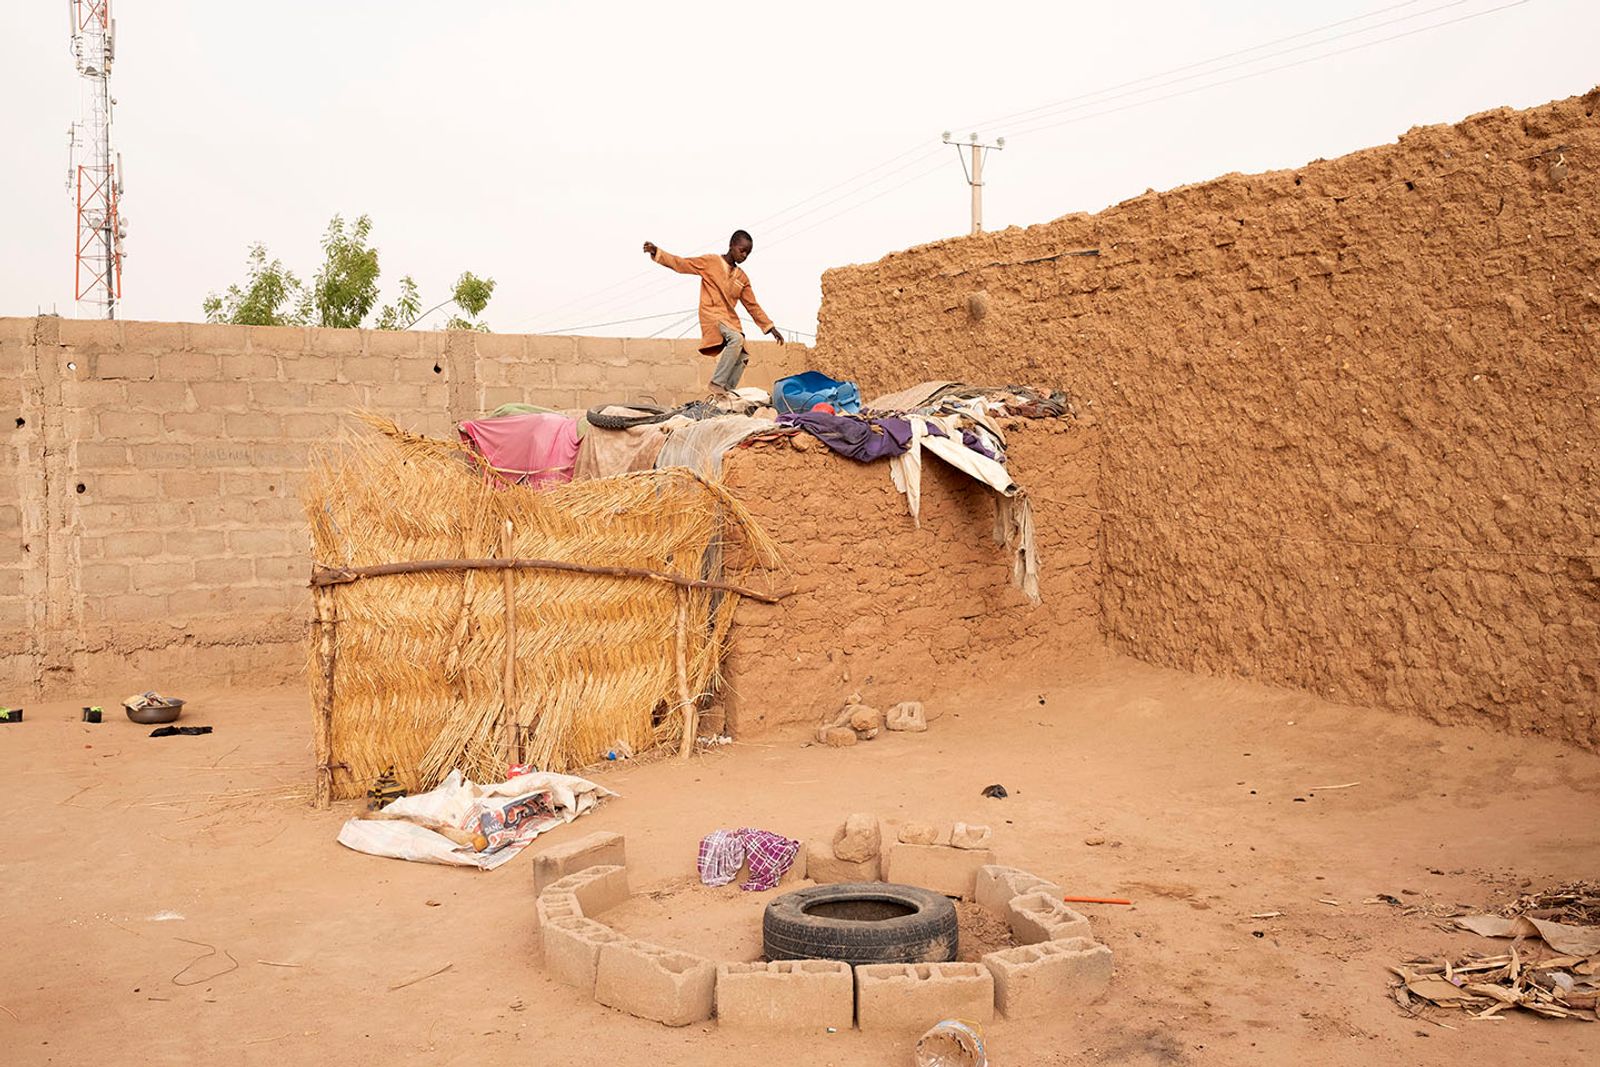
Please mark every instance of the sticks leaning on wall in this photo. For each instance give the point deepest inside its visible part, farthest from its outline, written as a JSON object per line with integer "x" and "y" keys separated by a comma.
{"x": 327, "y": 650}
{"x": 326, "y": 580}
{"x": 508, "y": 696}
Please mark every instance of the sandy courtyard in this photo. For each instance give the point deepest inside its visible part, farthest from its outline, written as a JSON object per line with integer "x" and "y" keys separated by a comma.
{"x": 1188, "y": 785}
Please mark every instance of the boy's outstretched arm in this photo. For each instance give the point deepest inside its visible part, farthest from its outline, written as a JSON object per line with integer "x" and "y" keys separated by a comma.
{"x": 668, "y": 260}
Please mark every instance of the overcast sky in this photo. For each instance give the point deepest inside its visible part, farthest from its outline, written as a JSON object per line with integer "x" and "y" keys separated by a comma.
{"x": 541, "y": 143}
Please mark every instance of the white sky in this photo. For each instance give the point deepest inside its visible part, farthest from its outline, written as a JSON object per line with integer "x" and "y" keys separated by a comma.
{"x": 541, "y": 143}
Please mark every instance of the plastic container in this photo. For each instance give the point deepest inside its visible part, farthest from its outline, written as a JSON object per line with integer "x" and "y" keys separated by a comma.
{"x": 93, "y": 714}
{"x": 952, "y": 1043}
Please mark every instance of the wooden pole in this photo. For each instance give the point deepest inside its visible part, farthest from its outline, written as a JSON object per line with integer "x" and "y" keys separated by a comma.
{"x": 327, "y": 650}
{"x": 321, "y": 576}
{"x": 691, "y": 714}
{"x": 509, "y": 696}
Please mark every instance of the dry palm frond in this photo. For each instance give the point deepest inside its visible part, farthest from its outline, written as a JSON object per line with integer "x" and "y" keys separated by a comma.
{"x": 419, "y": 667}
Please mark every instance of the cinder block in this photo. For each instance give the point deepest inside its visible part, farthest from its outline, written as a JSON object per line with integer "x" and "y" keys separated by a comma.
{"x": 951, "y": 871}
{"x": 597, "y": 889}
{"x": 501, "y": 346}
{"x": 786, "y": 995}
{"x": 596, "y": 850}
{"x": 552, "y": 906}
{"x": 996, "y": 886}
{"x": 1036, "y": 917}
{"x": 251, "y": 367}
{"x": 910, "y": 997}
{"x": 187, "y": 366}
{"x": 393, "y": 344}
{"x": 824, "y": 868}
{"x": 572, "y": 949}
{"x": 1037, "y": 980}
{"x": 656, "y": 983}
{"x": 154, "y": 335}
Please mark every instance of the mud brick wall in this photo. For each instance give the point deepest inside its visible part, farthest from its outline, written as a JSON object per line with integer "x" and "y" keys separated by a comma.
{"x": 899, "y": 612}
{"x": 150, "y": 506}
{"x": 1351, "y": 412}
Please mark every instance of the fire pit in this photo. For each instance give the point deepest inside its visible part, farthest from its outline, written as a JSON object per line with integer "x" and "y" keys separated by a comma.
{"x": 862, "y": 922}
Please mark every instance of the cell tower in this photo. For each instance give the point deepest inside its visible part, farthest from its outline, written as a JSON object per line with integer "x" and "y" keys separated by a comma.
{"x": 94, "y": 174}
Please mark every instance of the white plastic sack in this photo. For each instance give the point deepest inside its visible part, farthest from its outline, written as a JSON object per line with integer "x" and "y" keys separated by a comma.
{"x": 454, "y": 802}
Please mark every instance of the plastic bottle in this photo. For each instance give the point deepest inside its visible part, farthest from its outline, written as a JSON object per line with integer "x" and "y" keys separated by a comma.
{"x": 952, "y": 1043}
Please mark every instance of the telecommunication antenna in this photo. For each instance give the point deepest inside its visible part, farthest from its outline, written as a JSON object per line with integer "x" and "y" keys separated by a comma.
{"x": 94, "y": 173}
{"x": 975, "y": 173}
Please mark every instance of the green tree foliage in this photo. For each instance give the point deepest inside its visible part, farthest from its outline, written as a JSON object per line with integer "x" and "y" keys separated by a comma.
{"x": 270, "y": 296}
{"x": 346, "y": 287}
{"x": 342, "y": 293}
{"x": 471, "y": 295}
{"x": 403, "y": 312}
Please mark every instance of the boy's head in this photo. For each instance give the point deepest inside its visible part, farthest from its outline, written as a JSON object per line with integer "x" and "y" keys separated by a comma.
{"x": 740, "y": 245}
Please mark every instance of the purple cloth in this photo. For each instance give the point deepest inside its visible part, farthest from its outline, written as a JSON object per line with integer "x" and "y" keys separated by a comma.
{"x": 723, "y": 852}
{"x": 975, "y": 442}
{"x": 857, "y": 436}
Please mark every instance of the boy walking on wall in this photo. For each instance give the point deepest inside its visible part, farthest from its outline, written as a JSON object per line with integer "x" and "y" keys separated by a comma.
{"x": 723, "y": 284}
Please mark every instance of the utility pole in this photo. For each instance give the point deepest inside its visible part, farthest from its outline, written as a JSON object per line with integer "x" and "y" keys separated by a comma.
{"x": 975, "y": 172}
{"x": 94, "y": 173}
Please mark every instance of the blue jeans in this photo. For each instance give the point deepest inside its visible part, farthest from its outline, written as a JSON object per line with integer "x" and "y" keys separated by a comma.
{"x": 731, "y": 362}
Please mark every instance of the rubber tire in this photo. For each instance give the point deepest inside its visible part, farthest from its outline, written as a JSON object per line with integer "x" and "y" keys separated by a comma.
{"x": 596, "y": 416}
{"x": 927, "y": 935}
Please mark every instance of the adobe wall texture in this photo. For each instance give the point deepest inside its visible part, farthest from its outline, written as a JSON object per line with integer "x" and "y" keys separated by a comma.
{"x": 1351, "y": 412}
{"x": 149, "y": 502}
{"x": 895, "y": 611}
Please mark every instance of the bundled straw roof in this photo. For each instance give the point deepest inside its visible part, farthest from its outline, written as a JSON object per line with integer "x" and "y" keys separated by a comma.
{"x": 419, "y": 663}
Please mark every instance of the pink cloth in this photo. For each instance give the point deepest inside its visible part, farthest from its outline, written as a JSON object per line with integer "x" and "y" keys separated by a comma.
{"x": 535, "y": 449}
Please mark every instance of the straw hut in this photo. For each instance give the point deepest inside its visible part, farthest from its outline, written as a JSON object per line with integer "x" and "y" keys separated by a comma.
{"x": 465, "y": 624}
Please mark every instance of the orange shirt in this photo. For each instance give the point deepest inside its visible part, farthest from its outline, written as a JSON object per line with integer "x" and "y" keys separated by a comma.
{"x": 721, "y": 287}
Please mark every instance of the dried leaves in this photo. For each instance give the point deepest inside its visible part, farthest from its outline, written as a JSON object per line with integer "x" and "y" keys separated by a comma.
{"x": 1560, "y": 987}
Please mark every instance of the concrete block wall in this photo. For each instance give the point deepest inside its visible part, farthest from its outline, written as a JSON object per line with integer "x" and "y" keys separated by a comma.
{"x": 150, "y": 501}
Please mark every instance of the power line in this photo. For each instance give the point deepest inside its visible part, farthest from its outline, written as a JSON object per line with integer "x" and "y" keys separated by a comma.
{"x": 1068, "y": 105}
{"x": 674, "y": 324}
{"x": 636, "y": 297}
{"x": 1271, "y": 70}
{"x": 1047, "y": 110}
{"x": 588, "y": 300}
{"x": 614, "y": 322}
{"x": 1191, "y": 66}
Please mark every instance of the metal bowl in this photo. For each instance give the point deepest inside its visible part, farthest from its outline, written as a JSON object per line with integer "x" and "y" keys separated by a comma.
{"x": 154, "y": 714}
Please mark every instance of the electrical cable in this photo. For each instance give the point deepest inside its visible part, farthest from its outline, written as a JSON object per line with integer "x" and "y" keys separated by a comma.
{"x": 1191, "y": 66}
{"x": 1052, "y": 109}
{"x": 614, "y": 322}
{"x": 1272, "y": 70}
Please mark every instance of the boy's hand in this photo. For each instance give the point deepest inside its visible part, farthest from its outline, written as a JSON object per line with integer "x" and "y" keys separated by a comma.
{"x": 776, "y": 336}
{"x": 650, "y": 249}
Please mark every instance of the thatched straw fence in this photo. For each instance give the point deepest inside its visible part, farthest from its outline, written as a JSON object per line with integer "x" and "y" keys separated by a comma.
{"x": 550, "y": 625}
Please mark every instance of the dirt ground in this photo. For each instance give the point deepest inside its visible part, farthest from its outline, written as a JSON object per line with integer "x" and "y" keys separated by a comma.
{"x": 127, "y": 858}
